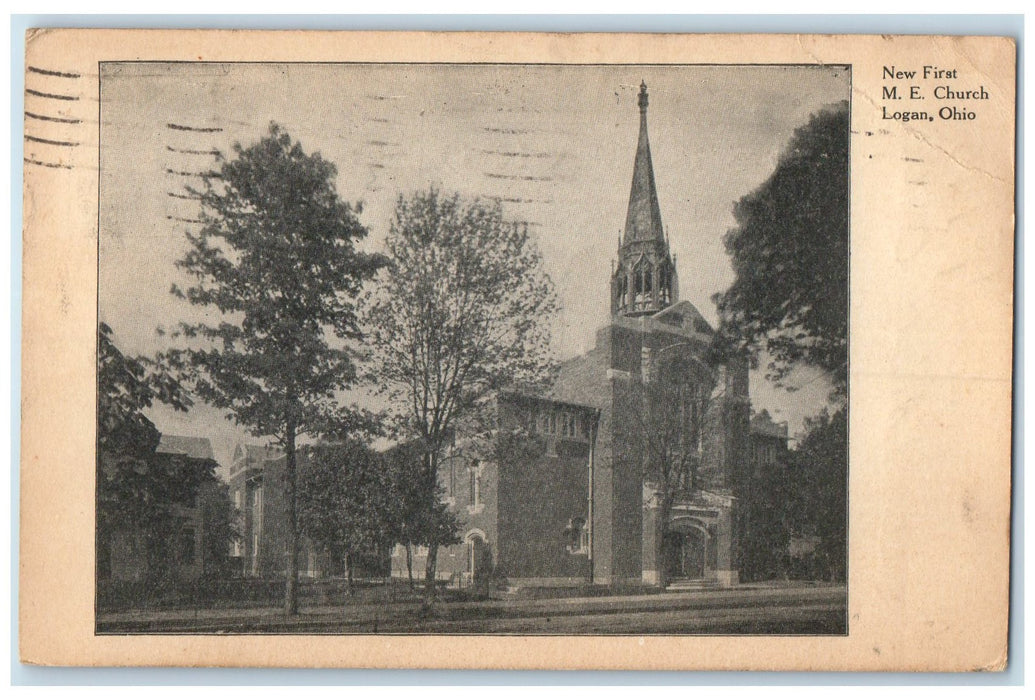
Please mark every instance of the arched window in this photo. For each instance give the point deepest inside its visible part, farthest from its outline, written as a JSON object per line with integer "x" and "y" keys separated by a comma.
{"x": 577, "y": 535}
{"x": 643, "y": 277}
{"x": 474, "y": 495}
{"x": 664, "y": 284}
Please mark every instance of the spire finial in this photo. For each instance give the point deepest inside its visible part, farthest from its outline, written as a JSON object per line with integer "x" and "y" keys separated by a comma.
{"x": 643, "y": 96}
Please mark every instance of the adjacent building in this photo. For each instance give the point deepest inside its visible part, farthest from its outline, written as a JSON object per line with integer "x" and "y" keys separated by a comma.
{"x": 128, "y": 556}
{"x": 768, "y": 442}
{"x": 258, "y": 493}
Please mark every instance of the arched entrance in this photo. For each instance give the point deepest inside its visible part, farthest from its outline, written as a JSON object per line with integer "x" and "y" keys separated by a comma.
{"x": 685, "y": 550}
{"x": 479, "y": 556}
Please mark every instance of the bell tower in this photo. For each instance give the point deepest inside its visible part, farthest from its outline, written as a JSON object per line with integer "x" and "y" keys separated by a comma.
{"x": 644, "y": 280}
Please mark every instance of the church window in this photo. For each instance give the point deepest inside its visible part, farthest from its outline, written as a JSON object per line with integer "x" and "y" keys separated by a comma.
{"x": 577, "y": 536}
{"x": 549, "y": 422}
{"x": 569, "y": 428}
{"x": 474, "y": 503}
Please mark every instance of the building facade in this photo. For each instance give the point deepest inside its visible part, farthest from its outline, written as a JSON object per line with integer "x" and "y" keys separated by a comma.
{"x": 259, "y": 495}
{"x": 525, "y": 500}
{"x": 628, "y": 471}
{"x": 125, "y": 556}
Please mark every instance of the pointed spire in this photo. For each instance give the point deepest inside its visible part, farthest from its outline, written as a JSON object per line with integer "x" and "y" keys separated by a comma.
{"x": 643, "y": 220}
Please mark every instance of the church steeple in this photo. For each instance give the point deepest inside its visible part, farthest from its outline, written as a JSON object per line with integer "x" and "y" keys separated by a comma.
{"x": 643, "y": 219}
{"x": 644, "y": 281}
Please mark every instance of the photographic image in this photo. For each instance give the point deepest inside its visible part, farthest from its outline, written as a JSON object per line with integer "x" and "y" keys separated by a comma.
{"x": 472, "y": 348}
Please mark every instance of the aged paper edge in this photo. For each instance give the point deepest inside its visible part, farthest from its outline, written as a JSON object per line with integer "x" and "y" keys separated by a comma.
{"x": 56, "y": 606}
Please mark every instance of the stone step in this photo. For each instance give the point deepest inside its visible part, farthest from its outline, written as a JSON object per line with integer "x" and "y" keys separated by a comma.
{"x": 700, "y": 584}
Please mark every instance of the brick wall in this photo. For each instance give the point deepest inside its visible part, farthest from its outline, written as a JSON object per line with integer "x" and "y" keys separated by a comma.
{"x": 543, "y": 487}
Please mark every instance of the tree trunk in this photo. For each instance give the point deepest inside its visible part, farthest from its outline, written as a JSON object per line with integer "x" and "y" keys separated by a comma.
{"x": 388, "y": 574}
{"x": 664, "y": 509}
{"x": 348, "y": 573}
{"x": 409, "y": 563}
{"x": 430, "y": 587}
{"x": 291, "y": 589}
{"x": 431, "y": 476}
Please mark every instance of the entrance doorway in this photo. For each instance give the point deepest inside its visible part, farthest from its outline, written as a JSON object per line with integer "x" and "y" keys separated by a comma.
{"x": 479, "y": 558}
{"x": 685, "y": 554}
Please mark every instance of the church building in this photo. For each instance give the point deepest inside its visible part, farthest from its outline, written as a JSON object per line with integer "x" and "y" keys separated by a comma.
{"x": 628, "y": 471}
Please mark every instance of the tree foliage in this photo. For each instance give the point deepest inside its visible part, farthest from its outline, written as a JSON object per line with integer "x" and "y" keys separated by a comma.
{"x": 125, "y": 387}
{"x": 276, "y": 261}
{"x": 276, "y": 257}
{"x": 220, "y": 520}
{"x": 790, "y": 255}
{"x": 136, "y": 488}
{"x": 346, "y": 504}
{"x": 463, "y": 309}
{"x": 416, "y": 519}
{"x": 818, "y": 505}
{"x": 767, "y": 522}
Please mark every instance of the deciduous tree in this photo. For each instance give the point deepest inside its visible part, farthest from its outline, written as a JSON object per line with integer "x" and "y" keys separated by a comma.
{"x": 275, "y": 261}
{"x": 416, "y": 519}
{"x": 346, "y": 502}
{"x": 463, "y": 309}
{"x": 818, "y": 470}
{"x": 678, "y": 394}
{"x": 790, "y": 254}
{"x": 135, "y": 490}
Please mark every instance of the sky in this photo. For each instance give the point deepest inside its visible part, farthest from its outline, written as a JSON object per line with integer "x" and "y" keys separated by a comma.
{"x": 554, "y": 143}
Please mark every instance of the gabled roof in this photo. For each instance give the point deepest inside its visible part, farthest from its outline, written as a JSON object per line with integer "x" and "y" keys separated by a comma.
{"x": 643, "y": 218}
{"x": 254, "y": 452}
{"x": 547, "y": 398}
{"x": 685, "y": 315}
{"x": 196, "y": 447}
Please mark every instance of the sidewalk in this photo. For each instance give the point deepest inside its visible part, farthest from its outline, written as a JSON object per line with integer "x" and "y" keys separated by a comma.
{"x": 407, "y": 615}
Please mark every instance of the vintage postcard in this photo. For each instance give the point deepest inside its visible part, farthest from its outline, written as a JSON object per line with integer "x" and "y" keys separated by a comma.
{"x": 431, "y": 350}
